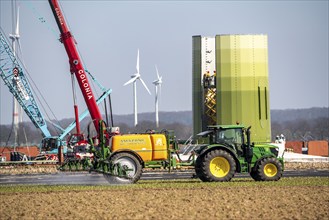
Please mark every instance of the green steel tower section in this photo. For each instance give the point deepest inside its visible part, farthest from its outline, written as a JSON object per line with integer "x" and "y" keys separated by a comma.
{"x": 236, "y": 89}
{"x": 196, "y": 85}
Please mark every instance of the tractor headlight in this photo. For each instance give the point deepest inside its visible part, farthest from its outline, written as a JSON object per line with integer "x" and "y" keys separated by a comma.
{"x": 275, "y": 151}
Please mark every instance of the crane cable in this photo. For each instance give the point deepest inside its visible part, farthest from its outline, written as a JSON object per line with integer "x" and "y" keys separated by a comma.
{"x": 40, "y": 17}
{"x": 38, "y": 90}
{"x": 43, "y": 21}
{"x": 82, "y": 60}
{"x": 30, "y": 79}
{"x": 52, "y": 30}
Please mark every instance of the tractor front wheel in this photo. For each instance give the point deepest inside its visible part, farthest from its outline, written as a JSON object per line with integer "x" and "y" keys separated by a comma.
{"x": 268, "y": 169}
{"x": 215, "y": 166}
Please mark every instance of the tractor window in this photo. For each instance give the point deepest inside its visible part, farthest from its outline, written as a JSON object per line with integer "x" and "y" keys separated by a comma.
{"x": 225, "y": 135}
{"x": 230, "y": 135}
{"x": 239, "y": 135}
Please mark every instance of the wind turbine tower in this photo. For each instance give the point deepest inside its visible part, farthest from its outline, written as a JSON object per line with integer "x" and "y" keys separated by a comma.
{"x": 17, "y": 112}
{"x": 133, "y": 80}
{"x": 157, "y": 84}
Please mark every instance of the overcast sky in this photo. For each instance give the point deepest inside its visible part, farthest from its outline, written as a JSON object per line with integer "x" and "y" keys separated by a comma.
{"x": 110, "y": 32}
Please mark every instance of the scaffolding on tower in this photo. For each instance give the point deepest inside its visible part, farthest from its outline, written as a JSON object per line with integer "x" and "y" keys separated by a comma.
{"x": 209, "y": 86}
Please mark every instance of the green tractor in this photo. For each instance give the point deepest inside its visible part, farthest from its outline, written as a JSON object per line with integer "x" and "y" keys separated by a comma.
{"x": 228, "y": 150}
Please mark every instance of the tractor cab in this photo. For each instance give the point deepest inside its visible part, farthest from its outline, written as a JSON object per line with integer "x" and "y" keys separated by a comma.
{"x": 231, "y": 136}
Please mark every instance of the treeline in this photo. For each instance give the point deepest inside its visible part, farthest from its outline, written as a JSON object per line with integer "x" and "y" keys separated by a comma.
{"x": 302, "y": 129}
{"x": 28, "y": 134}
{"x": 299, "y": 124}
{"x": 308, "y": 114}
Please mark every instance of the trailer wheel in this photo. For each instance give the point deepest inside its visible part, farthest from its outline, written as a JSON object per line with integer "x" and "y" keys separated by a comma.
{"x": 215, "y": 166}
{"x": 132, "y": 163}
{"x": 269, "y": 169}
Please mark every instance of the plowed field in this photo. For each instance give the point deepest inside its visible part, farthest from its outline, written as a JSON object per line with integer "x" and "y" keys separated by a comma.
{"x": 289, "y": 198}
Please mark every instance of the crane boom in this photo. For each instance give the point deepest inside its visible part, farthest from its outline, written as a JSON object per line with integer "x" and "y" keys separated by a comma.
{"x": 19, "y": 86}
{"x": 76, "y": 66}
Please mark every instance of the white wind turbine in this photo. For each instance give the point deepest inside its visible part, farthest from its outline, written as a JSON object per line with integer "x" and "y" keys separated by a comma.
{"x": 133, "y": 80}
{"x": 17, "y": 110}
{"x": 157, "y": 84}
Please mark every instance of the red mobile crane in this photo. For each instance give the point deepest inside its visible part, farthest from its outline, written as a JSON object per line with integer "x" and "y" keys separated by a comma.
{"x": 76, "y": 66}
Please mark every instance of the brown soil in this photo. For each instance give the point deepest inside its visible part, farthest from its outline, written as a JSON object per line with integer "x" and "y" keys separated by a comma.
{"x": 28, "y": 169}
{"x": 261, "y": 202}
{"x": 306, "y": 165}
{"x": 176, "y": 203}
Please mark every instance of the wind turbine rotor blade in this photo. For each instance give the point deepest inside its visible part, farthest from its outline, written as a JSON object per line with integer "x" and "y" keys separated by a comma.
{"x": 157, "y": 72}
{"x": 17, "y": 23}
{"x": 145, "y": 85}
{"x": 137, "y": 64}
{"x": 18, "y": 37}
{"x": 130, "y": 81}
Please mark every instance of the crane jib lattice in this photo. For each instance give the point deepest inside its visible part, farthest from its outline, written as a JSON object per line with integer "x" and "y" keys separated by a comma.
{"x": 12, "y": 74}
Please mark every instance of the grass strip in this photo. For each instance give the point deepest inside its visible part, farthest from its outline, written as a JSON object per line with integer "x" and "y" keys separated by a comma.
{"x": 169, "y": 184}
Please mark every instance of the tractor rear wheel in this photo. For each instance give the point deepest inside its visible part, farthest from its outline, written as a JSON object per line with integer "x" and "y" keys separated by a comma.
{"x": 215, "y": 166}
{"x": 130, "y": 162}
{"x": 255, "y": 175}
{"x": 198, "y": 168}
{"x": 268, "y": 169}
